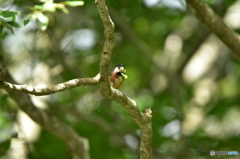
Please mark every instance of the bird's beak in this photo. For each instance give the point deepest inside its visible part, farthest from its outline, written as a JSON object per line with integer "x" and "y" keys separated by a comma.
{"x": 124, "y": 75}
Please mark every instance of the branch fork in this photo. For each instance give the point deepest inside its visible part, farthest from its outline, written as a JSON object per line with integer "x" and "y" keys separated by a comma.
{"x": 143, "y": 120}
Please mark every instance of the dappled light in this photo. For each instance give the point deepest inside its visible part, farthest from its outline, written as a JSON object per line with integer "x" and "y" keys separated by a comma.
{"x": 83, "y": 39}
{"x": 172, "y": 129}
{"x": 225, "y": 127}
{"x": 155, "y": 83}
{"x": 202, "y": 61}
{"x": 232, "y": 17}
{"x": 179, "y": 66}
{"x": 193, "y": 120}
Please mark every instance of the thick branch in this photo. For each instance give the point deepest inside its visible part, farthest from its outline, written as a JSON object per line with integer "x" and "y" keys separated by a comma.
{"x": 207, "y": 16}
{"x": 107, "y": 49}
{"x": 51, "y": 89}
{"x": 142, "y": 119}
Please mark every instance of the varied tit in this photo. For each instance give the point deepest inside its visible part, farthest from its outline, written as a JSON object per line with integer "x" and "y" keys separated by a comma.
{"x": 117, "y": 76}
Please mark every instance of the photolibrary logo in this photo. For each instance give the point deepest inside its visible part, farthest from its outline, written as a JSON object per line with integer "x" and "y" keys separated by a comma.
{"x": 212, "y": 152}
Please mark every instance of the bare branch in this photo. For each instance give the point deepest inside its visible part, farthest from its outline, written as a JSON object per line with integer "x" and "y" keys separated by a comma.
{"x": 142, "y": 119}
{"x": 107, "y": 49}
{"x": 51, "y": 89}
{"x": 208, "y": 17}
{"x": 51, "y": 123}
{"x": 78, "y": 145}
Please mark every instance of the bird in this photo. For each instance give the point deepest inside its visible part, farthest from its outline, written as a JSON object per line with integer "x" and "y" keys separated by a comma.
{"x": 117, "y": 76}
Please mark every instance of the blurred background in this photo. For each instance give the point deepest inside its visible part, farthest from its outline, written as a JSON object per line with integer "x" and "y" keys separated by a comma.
{"x": 175, "y": 66}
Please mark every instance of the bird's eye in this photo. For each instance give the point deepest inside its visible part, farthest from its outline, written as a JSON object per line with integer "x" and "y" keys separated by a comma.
{"x": 122, "y": 69}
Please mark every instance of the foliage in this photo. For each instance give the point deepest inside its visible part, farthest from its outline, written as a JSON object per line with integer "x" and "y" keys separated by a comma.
{"x": 37, "y": 13}
{"x": 146, "y": 34}
{"x": 7, "y": 20}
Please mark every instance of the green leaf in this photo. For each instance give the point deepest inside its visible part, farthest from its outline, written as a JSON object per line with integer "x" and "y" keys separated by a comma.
{"x": 49, "y": 6}
{"x": 9, "y": 14}
{"x": 38, "y": 7}
{"x": 65, "y": 10}
{"x": 42, "y": 18}
{"x": 14, "y": 24}
{"x": 26, "y": 21}
{"x": 6, "y": 25}
{"x": 41, "y": 25}
{"x": 62, "y": 7}
{"x": 34, "y": 15}
{"x": 74, "y": 3}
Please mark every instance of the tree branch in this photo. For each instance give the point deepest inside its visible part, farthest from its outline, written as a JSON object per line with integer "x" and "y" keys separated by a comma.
{"x": 78, "y": 145}
{"x": 51, "y": 89}
{"x": 142, "y": 119}
{"x": 67, "y": 134}
{"x": 215, "y": 24}
{"x": 107, "y": 49}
